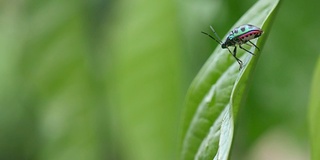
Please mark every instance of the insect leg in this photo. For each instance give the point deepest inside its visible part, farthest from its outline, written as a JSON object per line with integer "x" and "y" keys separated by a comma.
{"x": 254, "y": 45}
{"x": 234, "y": 54}
{"x": 248, "y": 44}
{"x": 246, "y": 50}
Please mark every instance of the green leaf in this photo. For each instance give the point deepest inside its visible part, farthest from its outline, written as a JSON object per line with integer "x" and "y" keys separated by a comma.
{"x": 314, "y": 114}
{"x": 145, "y": 78}
{"x": 216, "y": 93}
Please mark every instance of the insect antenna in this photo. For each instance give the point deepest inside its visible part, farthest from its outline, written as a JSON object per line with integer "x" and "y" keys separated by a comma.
{"x": 211, "y": 37}
{"x": 215, "y": 33}
{"x": 217, "y": 39}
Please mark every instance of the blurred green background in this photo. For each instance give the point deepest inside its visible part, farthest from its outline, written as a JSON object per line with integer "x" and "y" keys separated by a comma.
{"x": 106, "y": 79}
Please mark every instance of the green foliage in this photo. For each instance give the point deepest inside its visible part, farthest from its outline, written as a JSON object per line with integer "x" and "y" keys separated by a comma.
{"x": 314, "y": 114}
{"x": 53, "y": 83}
{"x": 105, "y": 79}
{"x": 217, "y": 91}
{"x": 145, "y": 88}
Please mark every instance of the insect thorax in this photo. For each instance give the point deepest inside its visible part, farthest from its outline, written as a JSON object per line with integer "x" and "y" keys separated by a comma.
{"x": 231, "y": 42}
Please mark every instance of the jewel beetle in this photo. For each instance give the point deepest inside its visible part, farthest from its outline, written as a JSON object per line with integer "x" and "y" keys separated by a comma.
{"x": 237, "y": 37}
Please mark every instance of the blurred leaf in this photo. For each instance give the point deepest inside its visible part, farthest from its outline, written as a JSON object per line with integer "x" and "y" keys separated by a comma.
{"x": 145, "y": 87}
{"x": 54, "y": 106}
{"x": 217, "y": 91}
{"x": 314, "y": 114}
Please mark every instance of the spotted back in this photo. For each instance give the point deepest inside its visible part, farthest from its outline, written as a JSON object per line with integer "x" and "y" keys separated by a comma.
{"x": 241, "y": 30}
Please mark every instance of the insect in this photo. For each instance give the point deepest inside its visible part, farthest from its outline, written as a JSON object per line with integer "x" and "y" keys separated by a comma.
{"x": 237, "y": 37}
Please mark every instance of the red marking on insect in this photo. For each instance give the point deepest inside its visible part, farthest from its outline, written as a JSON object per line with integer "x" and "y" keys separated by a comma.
{"x": 251, "y": 33}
